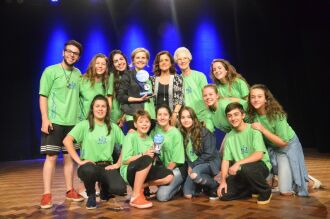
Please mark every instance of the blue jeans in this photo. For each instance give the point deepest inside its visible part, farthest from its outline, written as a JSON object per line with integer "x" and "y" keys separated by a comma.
{"x": 165, "y": 193}
{"x": 288, "y": 164}
{"x": 204, "y": 178}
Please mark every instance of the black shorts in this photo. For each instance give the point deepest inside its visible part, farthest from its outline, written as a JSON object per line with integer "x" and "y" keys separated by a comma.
{"x": 52, "y": 143}
{"x": 156, "y": 172}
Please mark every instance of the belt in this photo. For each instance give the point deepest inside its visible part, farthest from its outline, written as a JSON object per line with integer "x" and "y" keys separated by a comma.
{"x": 103, "y": 163}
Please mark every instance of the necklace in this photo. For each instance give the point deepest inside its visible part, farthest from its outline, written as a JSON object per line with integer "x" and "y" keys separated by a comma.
{"x": 67, "y": 78}
{"x": 164, "y": 93}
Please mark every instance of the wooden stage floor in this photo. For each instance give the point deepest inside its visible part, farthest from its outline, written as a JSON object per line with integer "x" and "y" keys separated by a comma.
{"x": 21, "y": 189}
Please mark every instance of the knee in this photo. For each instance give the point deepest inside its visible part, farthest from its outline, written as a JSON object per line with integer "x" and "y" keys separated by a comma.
{"x": 87, "y": 169}
{"x": 51, "y": 158}
{"x": 163, "y": 195}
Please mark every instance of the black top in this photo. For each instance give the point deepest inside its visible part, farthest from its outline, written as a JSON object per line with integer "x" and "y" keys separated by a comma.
{"x": 162, "y": 97}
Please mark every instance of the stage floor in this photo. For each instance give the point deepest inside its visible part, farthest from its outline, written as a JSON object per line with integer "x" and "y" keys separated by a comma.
{"x": 21, "y": 189}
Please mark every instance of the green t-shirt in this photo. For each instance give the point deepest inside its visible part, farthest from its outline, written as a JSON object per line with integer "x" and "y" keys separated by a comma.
{"x": 172, "y": 148}
{"x": 279, "y": 127}
{"x": 219, "y": 117}
{"x": 193, "y": 85}
{"x": 239, "y": 89}
{"x": 133, "y": 145}
{"x": 240, "y": 145}
{"x": 61, "y": 87}
{"x": 116, "y": 112}
{"x": 96, "y": 145}
{"x": 87, "y": 94}
{"x": 192, "y": 156}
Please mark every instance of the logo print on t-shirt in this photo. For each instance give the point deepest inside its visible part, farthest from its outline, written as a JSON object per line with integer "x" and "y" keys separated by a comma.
{"x": 72, "y": 85}
{"x": 102, "y": 140}
{"x": 244, "y": 149}
{"x": 188, "y": 90}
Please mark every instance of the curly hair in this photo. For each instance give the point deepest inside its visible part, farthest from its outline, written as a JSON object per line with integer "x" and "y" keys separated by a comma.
{"x": 90, "y": 74}
{"x": 273, "y": 108}
{"x": 114, "y": 71}
{"x": 231, "y": 76}
{"x": 194, "y": 132}
{"x": 90, "y": 116}
{"x": 156, "y": 69}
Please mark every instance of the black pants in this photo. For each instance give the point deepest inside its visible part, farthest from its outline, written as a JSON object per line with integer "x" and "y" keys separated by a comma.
{"x": 111, "y": 180}
{"x": 155, "y": 172}
{"x": 250, "y": 179}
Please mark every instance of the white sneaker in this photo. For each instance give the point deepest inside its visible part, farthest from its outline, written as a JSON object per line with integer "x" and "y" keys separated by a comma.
{"x": 83, "y": 194}
{"x": 317, "y": 183}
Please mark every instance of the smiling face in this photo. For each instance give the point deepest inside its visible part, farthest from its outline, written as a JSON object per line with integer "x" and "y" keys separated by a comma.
{"x": 140, "y": 60}
{"x": 99, "y": 109}
{"x": 210, "y": 97}
{"x": 258, "y": 99}
{"x": 219, "y": 71}
{"x": 100, "y": 66}
{"x": 142, "y": 124}
{"x": 119, "y": 62}
{"x": 186, "y": 120}
{"x": 71, "y": 55}
{"x": 164, "y": 62}
{"x": 163, "y": 117}
{"x": 183, "y": 61}
{"x": 235, "y": 118}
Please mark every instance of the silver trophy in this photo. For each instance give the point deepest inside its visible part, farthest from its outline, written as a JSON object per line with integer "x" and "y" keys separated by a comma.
{"x": 142, "y": 77}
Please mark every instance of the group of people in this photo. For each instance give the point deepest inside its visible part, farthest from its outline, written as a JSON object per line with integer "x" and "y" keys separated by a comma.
{"x": 169, "y": 120}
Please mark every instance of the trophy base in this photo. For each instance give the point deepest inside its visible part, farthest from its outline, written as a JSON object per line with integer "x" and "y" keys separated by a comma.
{"x": 144, "y": 93}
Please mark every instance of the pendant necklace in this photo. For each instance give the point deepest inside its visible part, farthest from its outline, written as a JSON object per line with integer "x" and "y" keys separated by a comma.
{"x": 67, "y": 78}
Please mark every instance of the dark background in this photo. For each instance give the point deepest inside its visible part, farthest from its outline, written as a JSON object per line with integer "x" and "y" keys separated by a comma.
{"x": 283, "y": 44}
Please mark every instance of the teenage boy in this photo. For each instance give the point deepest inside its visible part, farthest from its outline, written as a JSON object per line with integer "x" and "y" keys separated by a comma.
{"x": 244, "y": 148}
{"x": 59, "y": 99}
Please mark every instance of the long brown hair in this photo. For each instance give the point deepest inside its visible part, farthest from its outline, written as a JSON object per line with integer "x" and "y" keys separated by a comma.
{"x": 273, "y": 108}
{"x": 194, "y": 132}
{"x": 90, "y": 116}
{"x": 231, "y": 76}
{"x": 91, "y": 72}
{"x": 116, "y": 73}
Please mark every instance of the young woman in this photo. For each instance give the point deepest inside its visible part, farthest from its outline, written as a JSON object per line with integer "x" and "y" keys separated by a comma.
{"x": 95, "y": 81}
{"x": 171, "y": 153}
{"x": 129, "y": 89}
{"x": 201, "y": 154}
{"x": 137, "y": 160}
{"x": 97, "y": 137}
{"x": 230, "y": 84}
{"x": 217, "y": 106}
{"x": 117, "y": 67}
{"x": 284, "y": 147}
{"x": 167, "y": 84}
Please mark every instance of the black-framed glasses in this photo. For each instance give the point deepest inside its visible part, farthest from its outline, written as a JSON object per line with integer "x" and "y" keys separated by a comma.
{"x": 72, "y": 52}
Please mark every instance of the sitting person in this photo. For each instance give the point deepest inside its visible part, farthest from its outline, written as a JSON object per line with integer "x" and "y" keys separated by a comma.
{"x": 245, "y": 147}
{"x": 97, "y": 138}
{"x": 202, "y": 156}
{"x": 137, "y": 161}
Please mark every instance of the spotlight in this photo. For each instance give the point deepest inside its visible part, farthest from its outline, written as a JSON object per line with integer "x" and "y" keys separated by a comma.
{"x": 54, "y": 0}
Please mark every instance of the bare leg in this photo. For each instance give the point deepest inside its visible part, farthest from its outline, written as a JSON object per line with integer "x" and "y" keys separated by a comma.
{"x": 48, "y": 172}
{"x": 68, "y": 171}
{"x": 140, "y": 177}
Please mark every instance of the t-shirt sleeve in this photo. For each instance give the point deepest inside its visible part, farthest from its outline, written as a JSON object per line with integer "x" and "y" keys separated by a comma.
{"x": 283, "y": 129}
{"x": 227, "y": 155}
{"x": 127, "y": 149}
{"x": 203, "y": 81}
{"x": 178, "y": 150}
{"x": 244, "y": 88}
{"x": 258, "y": 141}
{"x": 119, "y": 135}
{"x": 46, "y": 82}
{"x": 78, "y": 131}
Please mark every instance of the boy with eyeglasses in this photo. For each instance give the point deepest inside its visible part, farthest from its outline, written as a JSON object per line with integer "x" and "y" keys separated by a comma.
{"x": 59, "y": 100}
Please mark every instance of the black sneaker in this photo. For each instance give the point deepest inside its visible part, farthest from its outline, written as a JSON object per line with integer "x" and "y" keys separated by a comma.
{"x": 264, "y": 199}
{"x": 91, "y": 202}
{"x": 213, "y": 194}
{"x": 105, "y": 196}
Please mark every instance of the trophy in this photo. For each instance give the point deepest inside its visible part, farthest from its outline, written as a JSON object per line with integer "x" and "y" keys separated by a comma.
{"x": 158, "y": 143}
{"x": 142, "y": 77}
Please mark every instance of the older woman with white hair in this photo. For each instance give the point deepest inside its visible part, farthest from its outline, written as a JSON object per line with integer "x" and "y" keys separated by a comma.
{"x": 193, "y": 83}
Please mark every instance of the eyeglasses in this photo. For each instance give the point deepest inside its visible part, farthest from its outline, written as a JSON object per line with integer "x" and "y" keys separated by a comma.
{"x": 71, "y": 52}
{"x": 183, "y": 59}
